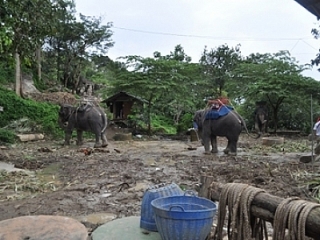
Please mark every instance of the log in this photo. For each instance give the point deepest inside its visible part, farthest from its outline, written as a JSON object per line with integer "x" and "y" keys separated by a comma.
{"x": 263, "y": 206}
{"x": 30, "y": 137}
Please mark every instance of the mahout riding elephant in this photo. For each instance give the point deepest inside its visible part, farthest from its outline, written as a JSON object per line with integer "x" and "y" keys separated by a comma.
{"x": 226, "y": 123}
{"x": 261, "y": 119}
{"x": 86, "y": 117}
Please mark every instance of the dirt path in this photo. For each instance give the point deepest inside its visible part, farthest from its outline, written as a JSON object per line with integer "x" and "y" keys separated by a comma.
{"x": 65, "y": 181}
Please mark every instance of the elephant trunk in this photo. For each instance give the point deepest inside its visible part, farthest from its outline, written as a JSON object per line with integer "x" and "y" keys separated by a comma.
{"x": 62, "y": 124}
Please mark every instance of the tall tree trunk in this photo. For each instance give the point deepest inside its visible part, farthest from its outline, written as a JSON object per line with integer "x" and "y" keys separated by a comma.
{"x": 38, "y": 59}
{"x": 58, "y": 63}
{"x": 18, "y": 73}
{"x": 149, "y": 118}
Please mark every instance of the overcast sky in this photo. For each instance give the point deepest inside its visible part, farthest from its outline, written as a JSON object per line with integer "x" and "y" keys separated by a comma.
{"x": 141, "y": 27}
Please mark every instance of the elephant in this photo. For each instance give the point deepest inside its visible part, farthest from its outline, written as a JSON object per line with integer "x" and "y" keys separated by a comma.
{"x": 86, "y": 117}
{"x": 229, "y": 125}
{"x": 261, "y": 119}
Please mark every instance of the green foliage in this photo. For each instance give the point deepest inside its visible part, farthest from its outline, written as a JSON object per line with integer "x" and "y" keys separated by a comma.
{"x": 44, "y": 114}
{"x": 7, "y": 136}
{"x": 185, "y": 123}
{"x": 277, "y": 79}
{"x": 160, "y": 124}
{"x": 217, "y": 65}
{"x": 6, "y": 71}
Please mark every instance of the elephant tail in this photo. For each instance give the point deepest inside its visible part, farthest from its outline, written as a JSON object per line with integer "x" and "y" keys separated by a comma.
{"x": 105, "y": 122}
{"x": 249, "y": 134}
{"x": 243, "y": 123}
{"x": 103, "y": 118}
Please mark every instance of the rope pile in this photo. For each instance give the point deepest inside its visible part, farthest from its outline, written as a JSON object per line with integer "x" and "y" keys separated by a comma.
{"x": 241, "y": 224}
{"x": 289, "y": 220}
{"x": 292, "y": 212}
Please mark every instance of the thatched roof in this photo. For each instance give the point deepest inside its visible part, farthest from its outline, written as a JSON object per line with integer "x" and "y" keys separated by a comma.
{"x": 123, "y": 96}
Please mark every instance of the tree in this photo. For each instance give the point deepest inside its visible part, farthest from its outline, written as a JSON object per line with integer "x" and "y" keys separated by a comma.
{"x": 217, "y": 65}
{"x": 75, "y": 43}
{"x": 26, "y": 23}
{"x": 153, "y": 79}
{"x": 316, "y": 33}
{"x": 183, "y": 99}
{"x": 275, "y": 78}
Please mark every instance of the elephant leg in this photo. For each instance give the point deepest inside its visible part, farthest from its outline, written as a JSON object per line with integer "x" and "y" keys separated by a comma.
{"x": 257, "y": 127}
{"x": 227, "y": 149}
{"x": 206, "y": 143}
{"x": 79, "y": 137}
{"x": 233, "y": 147}
{"x": 67, "y": 137}
{"x": 214, "y": 144}
{"x": 104, "y": 139}
{"x": 98, "y": 142}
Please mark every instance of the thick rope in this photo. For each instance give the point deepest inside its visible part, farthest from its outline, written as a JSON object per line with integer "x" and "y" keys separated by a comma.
{"x": 280, "y": 219}
{"x": 241, "y": 224}
{"x": 292, "y": 213}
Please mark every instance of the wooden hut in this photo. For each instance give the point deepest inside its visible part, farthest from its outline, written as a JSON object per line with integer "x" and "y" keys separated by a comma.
{"x": 120, "y": 105}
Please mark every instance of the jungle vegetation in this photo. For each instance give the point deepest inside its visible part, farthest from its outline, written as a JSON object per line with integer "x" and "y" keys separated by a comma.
{"x": 49, "y": 40}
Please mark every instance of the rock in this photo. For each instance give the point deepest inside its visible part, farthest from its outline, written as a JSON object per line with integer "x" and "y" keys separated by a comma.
{"x": 317, "y": 149}
{"x": 42, "y": 228}
{"x": 124, "y": 228}
{"x": 27, "y": 85}
{"x": 30, "y": 137}
{"x": 305, "y": 159}
{"x": 122, "y": 136}
{"x": 140, "y": 186}
{"x": 96, "y": 218}
{"x": 269, "y": 141}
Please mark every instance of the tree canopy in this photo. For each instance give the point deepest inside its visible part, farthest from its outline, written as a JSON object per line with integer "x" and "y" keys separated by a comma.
{"x": 59, "y": 47}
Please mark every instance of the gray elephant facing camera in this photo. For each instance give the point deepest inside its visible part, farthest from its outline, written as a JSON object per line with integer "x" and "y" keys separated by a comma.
{"x": 87, "y": 118}
{"x": 261, "y": 119}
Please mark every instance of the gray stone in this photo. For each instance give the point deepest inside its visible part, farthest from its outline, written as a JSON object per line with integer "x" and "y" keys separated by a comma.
{"x": 42, "y": 228}
{"x": 124, "y": 228}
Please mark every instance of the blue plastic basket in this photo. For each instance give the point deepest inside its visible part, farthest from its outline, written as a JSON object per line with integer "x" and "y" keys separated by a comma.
{"x": 147, "y": 220}
{"x": 184, "y": 217}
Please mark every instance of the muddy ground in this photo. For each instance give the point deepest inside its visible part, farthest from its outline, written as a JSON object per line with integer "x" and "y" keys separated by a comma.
{"x": 73, "y": 181}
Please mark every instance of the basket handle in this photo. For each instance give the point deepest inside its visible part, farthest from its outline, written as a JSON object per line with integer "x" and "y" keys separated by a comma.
{"x": 190, "y": 192}
{"x": 176, "y": 206}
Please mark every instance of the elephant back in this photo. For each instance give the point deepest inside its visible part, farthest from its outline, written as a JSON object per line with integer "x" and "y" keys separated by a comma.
{"x": 217, "y": 113}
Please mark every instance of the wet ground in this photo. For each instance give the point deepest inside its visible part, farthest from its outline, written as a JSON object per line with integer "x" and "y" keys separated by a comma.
{"x": 110, "y": 182}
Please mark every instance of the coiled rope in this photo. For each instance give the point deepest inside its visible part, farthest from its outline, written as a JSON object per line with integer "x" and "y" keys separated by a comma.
{"x": 292, "y": 212}
{"x": 241, "y": 224}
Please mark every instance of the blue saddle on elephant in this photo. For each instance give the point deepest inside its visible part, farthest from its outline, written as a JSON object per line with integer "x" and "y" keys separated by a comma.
{"x": 216, "y": 113}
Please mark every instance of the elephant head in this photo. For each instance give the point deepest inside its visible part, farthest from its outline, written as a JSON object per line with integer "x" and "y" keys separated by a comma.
{"x": 198, "y": 118}
{"x": 65, "y": 112}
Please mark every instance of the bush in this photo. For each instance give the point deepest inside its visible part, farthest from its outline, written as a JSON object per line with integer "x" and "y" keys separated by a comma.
{"x": 162, "y": 125}
{"x": 7, "y": 136}
{"x": 185, "y": 123}
{"x": 42, "y": 113}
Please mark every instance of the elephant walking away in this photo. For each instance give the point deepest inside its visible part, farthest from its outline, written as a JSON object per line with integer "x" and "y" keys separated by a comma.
{"x": 261, "y": 118}
{"x": 223, "y": 122}
{"x": 86, "y": 117}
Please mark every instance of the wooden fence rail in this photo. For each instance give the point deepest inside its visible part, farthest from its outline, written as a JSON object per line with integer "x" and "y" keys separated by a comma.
{"x": 263, "y": 206}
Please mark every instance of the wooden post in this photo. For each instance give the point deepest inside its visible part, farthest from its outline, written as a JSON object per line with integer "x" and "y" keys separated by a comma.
{"x": 263, "y": 206}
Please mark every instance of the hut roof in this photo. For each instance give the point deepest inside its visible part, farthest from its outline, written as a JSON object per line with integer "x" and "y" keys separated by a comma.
{"x": 123, "y": 96}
